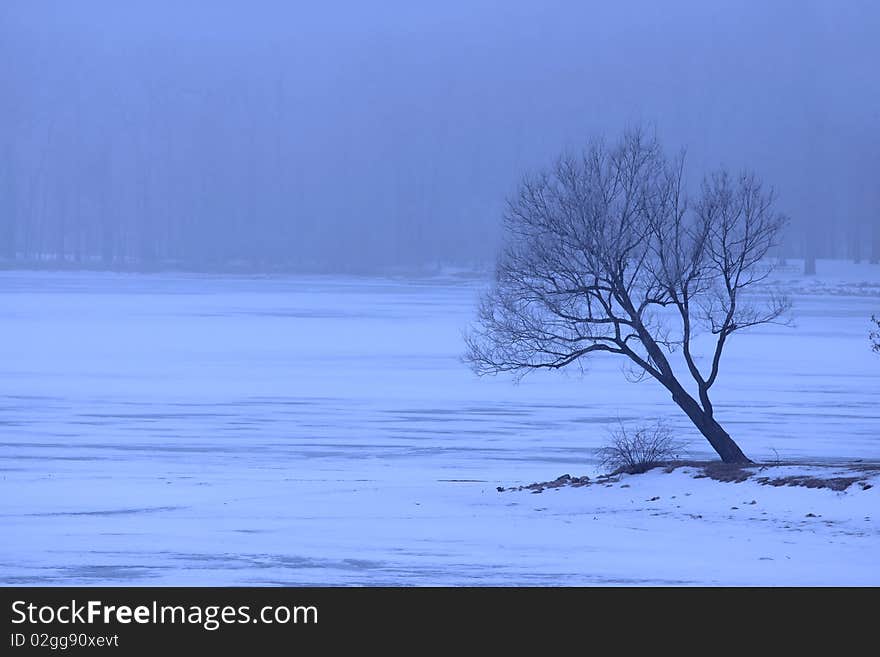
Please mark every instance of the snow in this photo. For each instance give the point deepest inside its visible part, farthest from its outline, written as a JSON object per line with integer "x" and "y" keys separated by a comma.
{"x": 205, "y": 430}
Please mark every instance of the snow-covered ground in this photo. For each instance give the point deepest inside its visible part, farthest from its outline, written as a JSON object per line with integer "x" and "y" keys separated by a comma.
{"x": 181, "y": 429}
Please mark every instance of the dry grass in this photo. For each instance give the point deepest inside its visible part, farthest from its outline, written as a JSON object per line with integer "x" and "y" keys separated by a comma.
{"x": 732, "y": 473}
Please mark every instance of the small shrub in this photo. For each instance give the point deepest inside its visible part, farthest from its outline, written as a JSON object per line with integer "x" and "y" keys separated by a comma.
{"x": 638, "y": 450}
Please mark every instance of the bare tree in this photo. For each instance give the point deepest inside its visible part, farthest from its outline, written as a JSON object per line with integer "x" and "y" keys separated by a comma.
{"x": 604, "y": 253}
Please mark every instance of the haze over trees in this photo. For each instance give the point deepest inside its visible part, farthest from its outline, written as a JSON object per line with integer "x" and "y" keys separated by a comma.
{"x": 607, "y": 252}
{"x": 357, "y": 136}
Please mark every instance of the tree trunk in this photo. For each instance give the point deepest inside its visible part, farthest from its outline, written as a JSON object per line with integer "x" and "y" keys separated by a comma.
{"x": 720, "y": 440}
{"x": 811, "y": 249}
{"x": 810, "y": 265}
{"x": 727, "y": 449}
{"x": 855, "y": 243}
{"x": 875, "y": 242}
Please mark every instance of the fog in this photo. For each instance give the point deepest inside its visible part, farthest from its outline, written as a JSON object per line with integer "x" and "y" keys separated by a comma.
{"x": 365, "y": 136}
{"x": 245, "y": 294}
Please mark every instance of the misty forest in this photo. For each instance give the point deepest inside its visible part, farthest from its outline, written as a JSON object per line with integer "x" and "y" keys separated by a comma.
{"x": 504, "y": 293}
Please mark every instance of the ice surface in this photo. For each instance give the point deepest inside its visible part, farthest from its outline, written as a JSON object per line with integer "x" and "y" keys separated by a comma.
{"x": 181, "y": 429}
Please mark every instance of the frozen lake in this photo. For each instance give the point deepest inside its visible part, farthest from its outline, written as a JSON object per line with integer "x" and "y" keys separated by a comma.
{"x": 178, "y": 429}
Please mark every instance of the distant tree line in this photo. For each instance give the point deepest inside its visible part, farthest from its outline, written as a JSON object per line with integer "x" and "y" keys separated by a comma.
{"x": 218, "y": 165}
{"x": 198, "y": 188}
{"x": 186, "y": 153}
{"x": 171, "y": 194}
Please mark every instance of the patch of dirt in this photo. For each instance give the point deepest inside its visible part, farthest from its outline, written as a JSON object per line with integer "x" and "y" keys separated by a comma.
{"x": 729, "y": 473}
{"x": 726, "y": 472}
{"x": 733, "y": 473}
